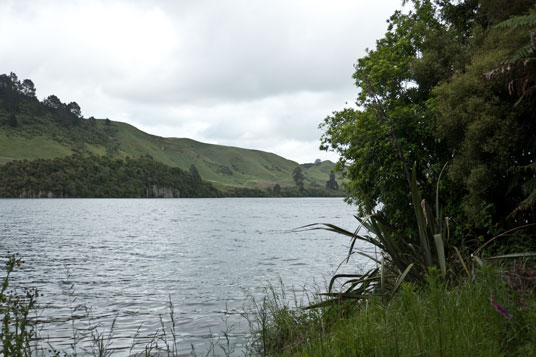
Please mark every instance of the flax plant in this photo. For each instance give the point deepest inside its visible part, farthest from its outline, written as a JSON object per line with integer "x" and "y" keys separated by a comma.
{"x": 401, "y": 258}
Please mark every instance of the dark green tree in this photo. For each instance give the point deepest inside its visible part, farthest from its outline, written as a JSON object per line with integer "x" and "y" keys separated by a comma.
{"x": 425, "y": 96}
{"x": 12, "y": 120}
{"x": 28, "y": 88}
{"x": 74, "y": 108}
{"x": 277, "y": 189}
{"x": 298, "y": 177}
{"x": 53, "y": 102}
{"x": 15, "y": 83}
{"x": 490, "y": 131}
{"x": 393, "y": 128}
{"x": 195, "y": 173}
{"x": 332, "y": 182}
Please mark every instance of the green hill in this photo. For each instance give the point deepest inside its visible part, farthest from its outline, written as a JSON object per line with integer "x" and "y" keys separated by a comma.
{"x": 30, "y": 129}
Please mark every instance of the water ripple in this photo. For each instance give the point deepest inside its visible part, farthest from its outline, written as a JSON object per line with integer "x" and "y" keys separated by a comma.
{"x": 96, "y": 261}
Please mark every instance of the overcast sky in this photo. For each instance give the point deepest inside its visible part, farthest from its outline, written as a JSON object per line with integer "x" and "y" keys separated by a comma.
{"x": 251, "y": 73}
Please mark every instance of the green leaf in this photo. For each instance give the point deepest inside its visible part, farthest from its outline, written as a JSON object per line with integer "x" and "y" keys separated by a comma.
{"x": 440, "y": 249}
{"x": 462, "y": 262}
{"x": 514, "y": 255}
{"x": 478, "y": 260}
{"x": 401, "y": 279}
{"x": 421, "y": 220}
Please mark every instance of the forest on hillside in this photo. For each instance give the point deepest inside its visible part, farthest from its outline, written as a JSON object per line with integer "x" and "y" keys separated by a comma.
{"x": 100, "y": 176}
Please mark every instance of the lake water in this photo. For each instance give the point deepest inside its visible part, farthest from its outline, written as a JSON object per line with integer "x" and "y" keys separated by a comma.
{"x": 124, "y": 259}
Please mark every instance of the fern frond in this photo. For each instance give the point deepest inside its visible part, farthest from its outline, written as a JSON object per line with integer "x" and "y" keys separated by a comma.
{"x": 517, "y": 22}
{"x": 529, "y": 189}
{"x": 522, "y": 53}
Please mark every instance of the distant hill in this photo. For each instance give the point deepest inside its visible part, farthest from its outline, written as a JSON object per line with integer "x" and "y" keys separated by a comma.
{"x": 32, "y": 129}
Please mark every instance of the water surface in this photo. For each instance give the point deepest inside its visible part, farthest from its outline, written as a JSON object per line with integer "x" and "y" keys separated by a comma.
{"x": 125, "y": 258}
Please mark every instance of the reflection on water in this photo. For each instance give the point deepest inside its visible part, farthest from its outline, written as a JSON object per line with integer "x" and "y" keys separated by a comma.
{"x": 125, "y": 258}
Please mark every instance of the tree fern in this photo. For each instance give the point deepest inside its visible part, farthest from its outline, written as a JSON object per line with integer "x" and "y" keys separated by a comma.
{"x": 518, "y": 22}
{"x": 529, "y": 188}
{"x": 524, "y": 53}
{"x": 521, "y": 80}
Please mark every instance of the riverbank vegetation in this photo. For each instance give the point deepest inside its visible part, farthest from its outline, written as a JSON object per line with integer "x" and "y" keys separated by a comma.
{"x": 487, "y": 316}
{"x": 439, "y": 158}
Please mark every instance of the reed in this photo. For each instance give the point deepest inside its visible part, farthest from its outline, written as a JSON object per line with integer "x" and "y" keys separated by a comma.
{"x": 18, "y": 328}
{"x": 19, "y": 332}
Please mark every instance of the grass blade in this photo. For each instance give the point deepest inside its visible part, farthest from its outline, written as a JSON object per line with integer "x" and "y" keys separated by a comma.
{"x": 514, "y": 255}
{"x": 401, "y": 279}
{"x": 462, "y": 262}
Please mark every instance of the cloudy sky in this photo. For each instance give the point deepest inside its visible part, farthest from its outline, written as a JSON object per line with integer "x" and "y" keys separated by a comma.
{"x": 248, "y": 73}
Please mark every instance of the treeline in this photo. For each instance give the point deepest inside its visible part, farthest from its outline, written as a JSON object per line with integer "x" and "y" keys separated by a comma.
{"x": 278, "y": 191}
{"x": 19, "y": 96}
{"x": 100, "y": 176}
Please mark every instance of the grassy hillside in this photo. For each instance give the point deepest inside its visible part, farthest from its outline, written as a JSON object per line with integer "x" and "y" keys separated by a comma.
{"x": 223, "y": 165}
{"x": 30, "y": 129}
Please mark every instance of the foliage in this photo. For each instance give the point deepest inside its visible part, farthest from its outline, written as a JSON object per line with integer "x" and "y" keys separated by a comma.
{"x": 490, "y": 138}
{"x": 435, "y": 320}
{"x": 95, "y": 176}
{"x": 422, "y": 97}
{"x": 298, "y": 177}
{"x": 393, "y": 128}
{"x": 332, "y": 182}
{"x": 400, "y": 258}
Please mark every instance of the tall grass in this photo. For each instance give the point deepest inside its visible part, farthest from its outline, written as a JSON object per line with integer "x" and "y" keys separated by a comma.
{"x": 405, "y": 257}
{"x": 18, "y": 328}
{"x": 419, "y": 321}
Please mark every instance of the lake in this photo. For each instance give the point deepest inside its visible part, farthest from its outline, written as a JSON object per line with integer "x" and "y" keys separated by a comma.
{"x": 124, "y": 259}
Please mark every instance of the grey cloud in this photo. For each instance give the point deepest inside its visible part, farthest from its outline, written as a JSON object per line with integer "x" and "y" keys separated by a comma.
{"x": 197, "y": 68}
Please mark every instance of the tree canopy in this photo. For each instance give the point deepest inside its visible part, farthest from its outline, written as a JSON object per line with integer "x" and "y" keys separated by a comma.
{"x": 424, "y": 98}
{"x": 99, "y": 176}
